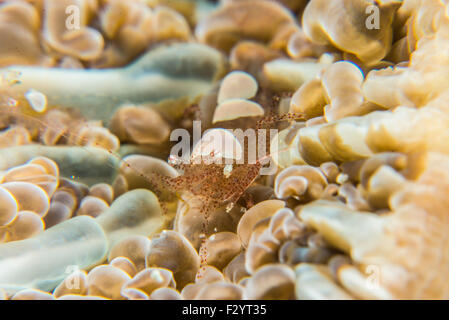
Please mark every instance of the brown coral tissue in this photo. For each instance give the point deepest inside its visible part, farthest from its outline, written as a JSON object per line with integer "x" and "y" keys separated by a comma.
{"x": 224, "y": 150}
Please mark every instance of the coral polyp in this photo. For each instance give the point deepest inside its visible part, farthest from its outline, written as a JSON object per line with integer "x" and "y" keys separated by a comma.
{"x": 233, "y": 149}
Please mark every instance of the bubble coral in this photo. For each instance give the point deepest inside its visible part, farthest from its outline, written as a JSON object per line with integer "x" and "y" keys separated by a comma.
{"x": 124, "y": 264}
{"x": 135, "y": 248}
{"x": 165, "y": 294}
{"x": 271, "y": 282}
{"x": 234, "y": 21}
{"x": 40, "y": 171}
{"x": 301, "y": 181}
{"x": 26, "y": 225}
{"x": 74, "y": 283}
{"x": 250, "y": 56}
{"x": 168, "y": 24}
{"x": 137, "y": 212}
{"x": 14, "y": 136}
{"x": 173, "y": 251}
{"x": 103, "y": 191}
{"x": 9, "y": 206}
{"x": 29, "y": 294}
{"x": 128, "y": 25}
{"x": 29, "y": 196}
{"x": 237, "y": 108}
{"x": 150, "y": 279}
{"x": 376, "y": 240}
{"x": 19, "y": 35}
{"x": 289, "y": 75}
{"x": 132, "y": 26}
{"x": 16, "y": 277}
{"x": 221, "y": 248}
{"x": 317, "y": 284}
{"x": 356, "y": 138}
{"x": 80, "y": 297}
{"x": 299, "y": 46}
{"x": 237, "y": 84}
{"x": 211, "y": 285}
{"x": 340, "y": 79}
{"x": 269, "y": 236}
{"x": 235, "y": 271}
{"x": 87, "y": 134}
{"x": 92, "y": 206}
{"x": 85, "y": 163}
{"x": 97, "y": 94}
{"x": 141, "y": 125}
{"x": 63, "y": 204}
{"x": 106, "y": 281}
{"x": 66, "y": 37}
{"x": 363, "y": 179}
{"x": 309, "y": 99}
{"x": 322, "y": 22}
{"x": 220, "y": 291}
